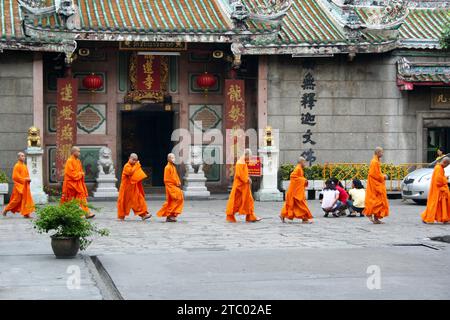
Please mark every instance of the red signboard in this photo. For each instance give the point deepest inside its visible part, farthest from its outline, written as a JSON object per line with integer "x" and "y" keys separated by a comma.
{"x": 66, "y": 121}
{"x": 149, "y": 76}
{"x": 254, "y": 167}
{"x": 234, "y": 122}
{"x": 149, "y": 73}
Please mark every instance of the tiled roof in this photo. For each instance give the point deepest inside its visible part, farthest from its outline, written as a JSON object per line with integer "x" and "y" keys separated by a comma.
{"x": 306, "y": 22}
{"x": 10, "y": 16}
{"x": 191, "y": 16}
{"x": 422, "y": 24}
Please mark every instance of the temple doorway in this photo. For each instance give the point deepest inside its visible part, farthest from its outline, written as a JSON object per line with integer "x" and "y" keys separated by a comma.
{"x": 437, "y": 138}
{"x": 148, "y": 133}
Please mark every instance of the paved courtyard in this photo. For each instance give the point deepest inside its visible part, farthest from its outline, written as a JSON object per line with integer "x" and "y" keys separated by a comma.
{"x": 202, "y": 253}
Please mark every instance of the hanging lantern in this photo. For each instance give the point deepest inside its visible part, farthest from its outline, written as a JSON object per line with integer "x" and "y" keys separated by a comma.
{"x": 93, "y": 82}
{"x": 206, "y": 81}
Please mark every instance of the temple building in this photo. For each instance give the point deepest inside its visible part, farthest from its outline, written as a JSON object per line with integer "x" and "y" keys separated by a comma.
{"x": 336, "y": 78}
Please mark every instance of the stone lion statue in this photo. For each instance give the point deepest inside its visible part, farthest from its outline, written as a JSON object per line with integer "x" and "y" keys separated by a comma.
{"x": 105, "y": 163}
{"x": 34, "y": 137}
{"x": 195, "y": 164}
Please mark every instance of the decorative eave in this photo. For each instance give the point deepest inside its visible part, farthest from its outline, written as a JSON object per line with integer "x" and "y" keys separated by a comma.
{"x": 135, "y": 35}
{"x": 411, "y": 74}
{"x": 318, "y": 50}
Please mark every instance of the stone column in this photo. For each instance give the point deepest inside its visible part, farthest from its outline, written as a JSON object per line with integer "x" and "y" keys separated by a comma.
{"x": 35, "y": 168}
{"x": 269, "y": 183}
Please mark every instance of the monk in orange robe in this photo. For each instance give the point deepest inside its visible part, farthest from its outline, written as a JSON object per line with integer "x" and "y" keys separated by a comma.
{"x": 377, "y": 205}
{"x": 438, "y": 205}
{"x": 241, "y": 199}
{"x": 131, "y": 193}
{"x": 74, "y": 187}
{"x": 295, "y": 205}
{"x": 173, "y": 206}
{"x": 21, "y": 200}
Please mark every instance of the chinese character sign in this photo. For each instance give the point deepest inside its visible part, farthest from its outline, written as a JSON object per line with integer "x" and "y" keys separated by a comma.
{"x": 66, "y": 119}
{"x": 307, "y": 105}
{"x": 234, "y": 121}
{"x": 149, "y": 73}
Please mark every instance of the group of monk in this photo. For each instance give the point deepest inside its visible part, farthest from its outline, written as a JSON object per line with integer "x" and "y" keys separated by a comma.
{"x": 132, "y": 195}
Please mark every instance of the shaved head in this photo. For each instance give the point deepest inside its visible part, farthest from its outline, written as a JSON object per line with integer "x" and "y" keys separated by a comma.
{"x": 133, "y": 159}
{"x": 134, "y": 156}
{"x": 74, "y": 149}
{"x": 21, "y": 156}
{"x": 446, "y": 161}
{"x": 379, "y": 152}
{"x": 171, "y": 157}
{"x": 301, "y": 161}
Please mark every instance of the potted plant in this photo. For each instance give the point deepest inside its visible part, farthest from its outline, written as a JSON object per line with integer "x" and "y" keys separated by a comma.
{"x": 70, "y": 231}
{"x": 285, "y": 172}
{"x": 3, "y": 186}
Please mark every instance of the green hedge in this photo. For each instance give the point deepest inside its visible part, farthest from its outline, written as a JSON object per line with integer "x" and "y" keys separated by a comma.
{"x": 343, "y": 172}
{"x": 3, "y": 177}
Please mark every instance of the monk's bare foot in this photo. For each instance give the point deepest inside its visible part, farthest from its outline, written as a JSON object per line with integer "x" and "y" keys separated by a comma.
{"x": 307, "y": 222}
{"x": 146, "y": 217}
{"x": 258, "y": 219}
{"x": 282, "y": 219}
{"x": 171, "y": 219}
{"x": 90, "y": 216}
{"x": 4, "y": 213}
{"x": 371, "y": 219}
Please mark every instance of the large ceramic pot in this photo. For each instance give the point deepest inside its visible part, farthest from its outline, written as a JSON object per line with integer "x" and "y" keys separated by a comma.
{"x": 65, "y": 248}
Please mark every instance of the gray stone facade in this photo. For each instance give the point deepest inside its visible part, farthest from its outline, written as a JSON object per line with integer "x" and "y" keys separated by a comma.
{"x": 359, "y": 107}
{"x": 16, "y": 105}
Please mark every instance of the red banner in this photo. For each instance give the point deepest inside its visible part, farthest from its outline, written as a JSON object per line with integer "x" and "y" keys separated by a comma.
{"x": 66, "y": 121}
{"x": 234, "y": 122}
{"x": 254, "y": 166}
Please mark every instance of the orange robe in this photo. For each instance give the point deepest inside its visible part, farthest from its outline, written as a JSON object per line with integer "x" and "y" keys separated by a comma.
{"x": 438, "y": 205}
{"x": 73, "y": 185}
{"x": 174, "y": 196}
{"x": 295, "y": 205}
{"x": 376, "y": 195}
{"x": 21, "y": 200}
{"x": 241, "y": 199}
{"x": 131, "y": 193}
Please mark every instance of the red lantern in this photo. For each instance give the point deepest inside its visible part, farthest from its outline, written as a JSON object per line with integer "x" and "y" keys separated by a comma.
{"x": 93, "y": 82}
{"x": 206, "y": 81}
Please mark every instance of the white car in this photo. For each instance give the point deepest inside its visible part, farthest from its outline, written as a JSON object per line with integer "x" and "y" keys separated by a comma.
{"x": 416, "y": 185}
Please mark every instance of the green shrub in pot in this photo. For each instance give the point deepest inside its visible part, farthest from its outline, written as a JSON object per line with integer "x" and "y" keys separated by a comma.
{"x": 67, "y": 222}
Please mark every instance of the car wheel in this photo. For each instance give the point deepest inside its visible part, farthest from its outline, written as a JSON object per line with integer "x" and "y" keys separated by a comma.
{"x": 421, "y": 202}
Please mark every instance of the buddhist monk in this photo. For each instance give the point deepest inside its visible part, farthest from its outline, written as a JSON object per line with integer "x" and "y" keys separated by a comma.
{"x": 131, "y": 193}
{"x": 438, "y": 205}
{"x": 241, "y": 199}
{"x": 377, "y": 205}
{"x": 173, "y": 206}
{"x": 295, "y": 205}
{"x": 74, "y": 187}
{"x": 21, "y": 200}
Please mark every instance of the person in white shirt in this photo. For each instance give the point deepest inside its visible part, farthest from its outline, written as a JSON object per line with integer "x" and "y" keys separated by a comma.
{"x": 330, "y": 199}
{"x": 358, "y": 197}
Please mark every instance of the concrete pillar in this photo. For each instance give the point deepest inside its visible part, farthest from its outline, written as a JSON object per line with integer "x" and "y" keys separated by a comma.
{"x": 38, "y": 94}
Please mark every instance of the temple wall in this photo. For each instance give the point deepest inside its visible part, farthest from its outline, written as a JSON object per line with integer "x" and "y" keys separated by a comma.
{"x": 16, "y": 105}
{"x": 358, "y": 107}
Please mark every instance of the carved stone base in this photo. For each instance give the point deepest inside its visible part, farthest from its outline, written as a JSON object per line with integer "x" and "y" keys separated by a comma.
{"x": 106, "y": 187}
{"x": 194, "y": 186}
